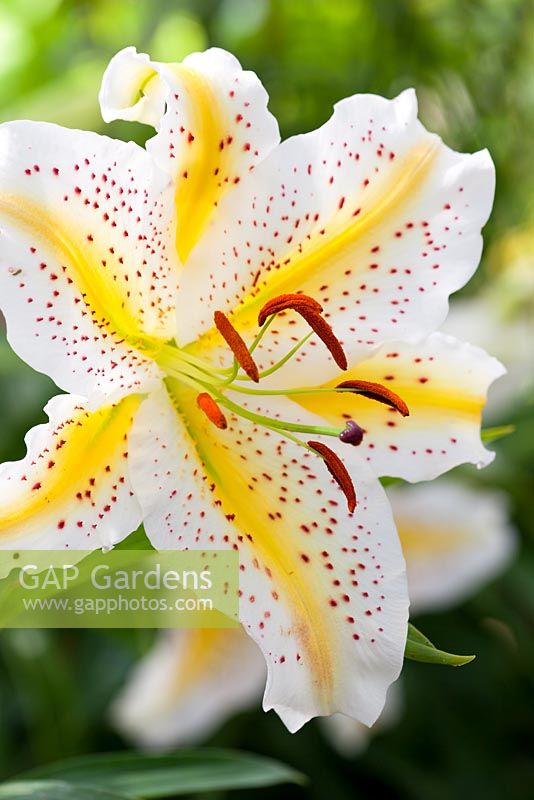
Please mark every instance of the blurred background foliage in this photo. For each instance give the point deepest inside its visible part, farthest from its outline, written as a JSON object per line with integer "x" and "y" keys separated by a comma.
{"x": 464, "y": 732}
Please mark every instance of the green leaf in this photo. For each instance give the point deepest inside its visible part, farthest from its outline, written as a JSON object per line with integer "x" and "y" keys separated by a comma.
{"x": 54, "y": 790}
{"x": 420, "y": 648}
{"x": 138, "y": 540}
{"x": 188, "y": 771}
{"x": 387, "y": 482}
{"x": 415, "y": 635}
{"x": 490, "y": 435}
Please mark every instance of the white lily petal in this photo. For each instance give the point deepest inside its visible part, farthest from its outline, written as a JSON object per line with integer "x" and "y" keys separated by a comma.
{"x": 371, "y": 215}
{"x": 443, "y": 381}
{"x": 87, "y": 281}
{"x": 323, "y": 592}
{"x": 191, "y": 681}
{"x": 72, "y": 489}
{"x": 189, "y": 684}
{"x": 213, "y": 126}
{"x": 454, "y": 539}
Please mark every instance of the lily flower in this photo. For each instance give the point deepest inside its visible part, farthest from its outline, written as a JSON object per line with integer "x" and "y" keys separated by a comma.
{"x": 203, "y": 300}
{"x": 454, "y": 539}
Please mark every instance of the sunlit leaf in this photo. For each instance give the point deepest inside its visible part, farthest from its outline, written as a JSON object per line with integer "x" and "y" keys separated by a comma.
{"x": 137, "y": 540}
{"x": 54, "y": 790}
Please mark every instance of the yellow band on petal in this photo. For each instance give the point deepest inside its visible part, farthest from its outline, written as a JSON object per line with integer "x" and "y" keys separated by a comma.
{"x": 447, "y": 399}
{"x": 203, "y": 177}
{"x": 274, "y": 552}
{"x": 403, "y": 182}
{"x": 103, "y": 294}
{"x": 83, "y": 448}
{"x": 332, "y": 238}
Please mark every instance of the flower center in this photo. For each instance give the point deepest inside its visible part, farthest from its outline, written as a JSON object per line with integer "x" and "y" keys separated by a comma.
{"x": 212, "y": 384}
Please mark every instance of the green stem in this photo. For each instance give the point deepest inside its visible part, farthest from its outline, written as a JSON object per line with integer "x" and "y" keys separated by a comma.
{"x": 194, "y": 383}
{"x": 268, "y": 422}
{"x": 283, "y": 360}
{"x": 290, "y": 392}
{"x": 288, "y": 435}
{"x": 255, "y": 343}
{"x": 170, "y": 357}
{"x": 263, "y": 330}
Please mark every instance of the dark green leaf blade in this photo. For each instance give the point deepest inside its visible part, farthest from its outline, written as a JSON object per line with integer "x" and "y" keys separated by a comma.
{"x": 415, "y": 635}
{"x": 186, "y": 772}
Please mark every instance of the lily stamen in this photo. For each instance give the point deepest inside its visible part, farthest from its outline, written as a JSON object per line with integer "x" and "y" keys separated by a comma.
{"x": 211, "y": 409}
{"x": 325, "y": 332}
{"x": 295, "y": 302}
{"x": 371, "y": 391}
{"x": 237, "y": 345}
{"x": 378, "y": 392}
{"x": 195, "y": 373}
{"x": 310, "y": 310}
{"x": 337, "y": 470}
{"x": 288, "y": 356}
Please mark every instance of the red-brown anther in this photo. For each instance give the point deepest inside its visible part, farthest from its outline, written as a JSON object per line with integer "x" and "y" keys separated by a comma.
{"x": 237, "y": 345}
{"x": 310, "y": 310}
{"x": 295, "y": 302}
{"x": 207, "y": 404}
{"x": 327, "y": 335}
{"x": 375, "y": 391}
{"x": 338, "y": 471}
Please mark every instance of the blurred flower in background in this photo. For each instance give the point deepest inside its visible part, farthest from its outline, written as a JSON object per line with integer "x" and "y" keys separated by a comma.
{"x": 500, "y": 317}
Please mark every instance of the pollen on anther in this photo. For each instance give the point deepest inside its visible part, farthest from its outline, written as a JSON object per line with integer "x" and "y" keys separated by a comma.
{"x": 338, "y": 471}
{"x": 211, "y": 409}
{"x": 237, "y": 345}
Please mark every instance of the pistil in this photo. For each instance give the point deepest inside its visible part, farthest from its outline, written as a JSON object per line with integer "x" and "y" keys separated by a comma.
{"x": 271, "y": 422}
{"x": 352, "y": 434}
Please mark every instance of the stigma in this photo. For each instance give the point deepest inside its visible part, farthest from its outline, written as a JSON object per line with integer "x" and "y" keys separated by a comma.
{"x": 352, "y": 434}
